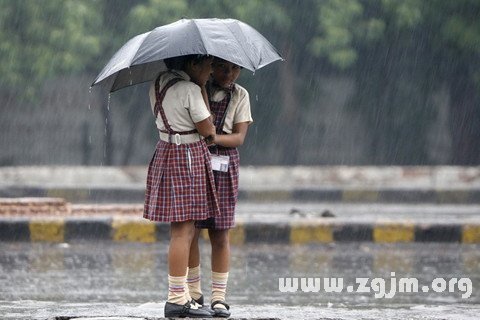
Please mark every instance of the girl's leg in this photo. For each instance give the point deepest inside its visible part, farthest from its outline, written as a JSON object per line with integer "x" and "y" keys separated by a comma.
{"x": 178, "y": 305}
{"x": 220, "y": 250}
{"x": 181, "y": 236}
{"x": 220, "y": 264}
{"x": 194, "y": 258}
{"x": 193, "y": 276}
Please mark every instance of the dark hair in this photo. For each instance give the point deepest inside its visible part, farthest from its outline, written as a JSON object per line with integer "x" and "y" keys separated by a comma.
{"x": 219, "y": 60}
{"x": 180, "y": 62}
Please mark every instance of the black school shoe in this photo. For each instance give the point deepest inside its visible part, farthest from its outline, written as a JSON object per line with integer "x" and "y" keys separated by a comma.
{"x": 200, "y": 301}
{"x": 220, "y": 312}
{"x": 173, "y": 310}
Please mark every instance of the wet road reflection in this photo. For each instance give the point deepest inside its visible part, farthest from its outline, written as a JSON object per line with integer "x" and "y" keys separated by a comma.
{"x": 131, "y": 278}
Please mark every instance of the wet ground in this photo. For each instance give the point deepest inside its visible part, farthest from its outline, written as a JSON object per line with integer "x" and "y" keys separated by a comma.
{"x": 44, "y": 281}
{"x": 282, "y": 211}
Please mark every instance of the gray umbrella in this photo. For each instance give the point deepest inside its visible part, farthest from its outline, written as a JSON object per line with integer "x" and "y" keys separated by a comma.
{"x": 141, "y": 58}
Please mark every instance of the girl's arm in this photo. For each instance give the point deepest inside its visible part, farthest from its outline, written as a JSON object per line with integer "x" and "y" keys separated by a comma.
{"x": 205, "y": 98}
{"x": 234, "y": 139}
{"x": 206, "y": 128}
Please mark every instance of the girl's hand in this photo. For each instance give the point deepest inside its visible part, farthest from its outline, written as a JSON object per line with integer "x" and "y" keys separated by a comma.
{"x": 210, "y": 140}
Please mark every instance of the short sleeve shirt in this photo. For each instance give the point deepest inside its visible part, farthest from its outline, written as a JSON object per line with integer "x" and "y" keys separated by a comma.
{"x": 238, "y": 110}
{"x": 183, "y": 103}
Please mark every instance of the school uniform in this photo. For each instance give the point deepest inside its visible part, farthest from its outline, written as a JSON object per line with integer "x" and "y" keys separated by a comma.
{"x": 229, "y": 107}
{"x": 180, "y": 182}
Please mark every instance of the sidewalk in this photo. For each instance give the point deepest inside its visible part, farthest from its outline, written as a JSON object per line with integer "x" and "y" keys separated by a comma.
{"x": 328, "y": 183}
{"x": 286, "y": 205}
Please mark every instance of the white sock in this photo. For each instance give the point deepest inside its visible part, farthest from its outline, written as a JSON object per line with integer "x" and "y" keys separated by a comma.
{"x": 194, "y": 282}
{"x": 176, "y": 290}
{"x": 219, "y": 287}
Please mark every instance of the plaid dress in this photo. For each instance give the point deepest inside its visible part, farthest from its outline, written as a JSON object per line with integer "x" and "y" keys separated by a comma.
{"x": 180, "y": 182}
{"x": 226, "y": 183}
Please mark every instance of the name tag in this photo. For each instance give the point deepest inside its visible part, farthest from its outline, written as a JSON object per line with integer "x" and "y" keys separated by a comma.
{"x": 220, "y": 163}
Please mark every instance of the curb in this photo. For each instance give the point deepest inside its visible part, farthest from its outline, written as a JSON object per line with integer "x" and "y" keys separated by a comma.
{"x": 141, "y": 318}
{"x": 127, "y": 229}
{"x": 347, "y": 195}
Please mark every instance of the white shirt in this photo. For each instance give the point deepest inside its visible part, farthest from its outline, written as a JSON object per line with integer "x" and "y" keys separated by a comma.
{"x": 238, "y": 109}
{"x": 183, "y": 103}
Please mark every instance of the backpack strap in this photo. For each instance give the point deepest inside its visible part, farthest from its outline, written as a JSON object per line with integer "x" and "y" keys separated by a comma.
{"x": 160, "y": 95}
{"x": 226, "y": 101}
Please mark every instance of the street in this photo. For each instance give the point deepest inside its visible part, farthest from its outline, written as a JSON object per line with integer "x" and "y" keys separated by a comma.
{"x": 45, "y": 281}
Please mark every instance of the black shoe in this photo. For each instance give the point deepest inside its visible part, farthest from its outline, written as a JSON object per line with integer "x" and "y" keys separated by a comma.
{"x": 199, "y": 300}
{"x": 200, "y": 305}
{"x": 220, "y": 312}
{"x": 173, "y": 310}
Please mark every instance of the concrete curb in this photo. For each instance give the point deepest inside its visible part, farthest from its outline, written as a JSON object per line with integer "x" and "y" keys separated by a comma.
{"x": 347, "y": 195}
{"x": 56, "y": 220}
{"x": 143, "y": 318}
{"x": 130, "y": 229}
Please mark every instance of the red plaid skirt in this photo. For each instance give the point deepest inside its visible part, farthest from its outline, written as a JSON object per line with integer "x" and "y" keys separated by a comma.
{"x": 226, "y": 184}
{"x": 180, "y": 184}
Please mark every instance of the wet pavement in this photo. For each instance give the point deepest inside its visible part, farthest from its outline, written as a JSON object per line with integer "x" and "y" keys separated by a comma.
{"x": 359, "y": 212}
{"x": 108, "y": 279}
{"x": 430, "y": 216}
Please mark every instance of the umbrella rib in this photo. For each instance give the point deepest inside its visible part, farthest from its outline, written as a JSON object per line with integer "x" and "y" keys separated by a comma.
{"x": 133, "y": 58}
{"x": 129, "y": 64}
{"x": 201, "y": 36}
{"x": 252, "y": 63}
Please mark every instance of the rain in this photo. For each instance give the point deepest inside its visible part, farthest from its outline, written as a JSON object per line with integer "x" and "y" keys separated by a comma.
{"x": 369, "y": 123}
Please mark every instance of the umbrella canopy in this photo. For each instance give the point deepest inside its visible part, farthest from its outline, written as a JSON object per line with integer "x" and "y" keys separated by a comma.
{"x": 141, "y": 58}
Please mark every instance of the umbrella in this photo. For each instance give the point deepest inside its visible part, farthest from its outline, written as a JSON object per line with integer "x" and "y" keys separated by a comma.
{"x": 141, "y": 58}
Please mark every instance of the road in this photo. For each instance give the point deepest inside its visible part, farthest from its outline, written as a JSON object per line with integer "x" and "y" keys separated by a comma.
{"x": 361, "y": 212}
{"x": 45, "y": 281}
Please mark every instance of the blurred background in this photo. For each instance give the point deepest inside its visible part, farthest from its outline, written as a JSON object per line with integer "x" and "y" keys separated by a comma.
{"x": 364, "y": 82}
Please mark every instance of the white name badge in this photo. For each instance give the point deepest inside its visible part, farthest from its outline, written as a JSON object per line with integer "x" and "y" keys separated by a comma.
{"x": 220, "y": 163}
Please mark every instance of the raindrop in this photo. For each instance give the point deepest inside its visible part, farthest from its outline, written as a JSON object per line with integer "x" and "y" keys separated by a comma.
{"x": 108, "y": 102}
{"x": 89, "y": 98}
{"x": 256, "y": 97}
{"x": 106, "y": 125}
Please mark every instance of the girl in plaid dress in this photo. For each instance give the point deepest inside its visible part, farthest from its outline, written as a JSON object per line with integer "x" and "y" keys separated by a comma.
{"x": 180, "y": 182}
{"x": 230, "y": 104}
